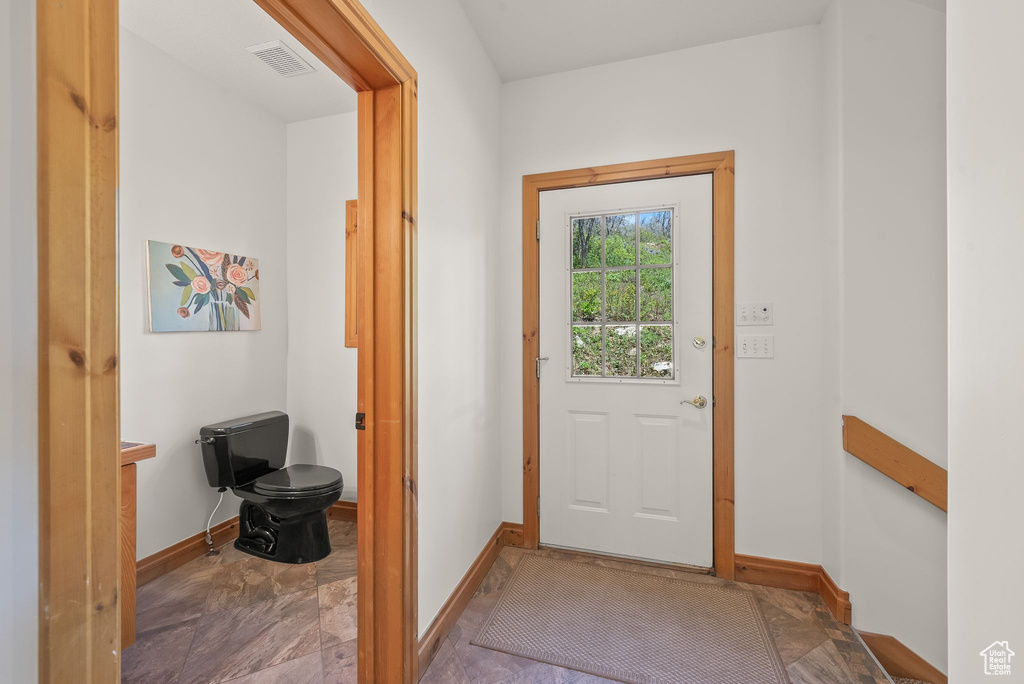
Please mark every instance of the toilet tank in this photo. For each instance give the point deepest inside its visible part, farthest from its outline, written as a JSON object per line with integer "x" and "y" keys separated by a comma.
{"x": 236, "y": 452}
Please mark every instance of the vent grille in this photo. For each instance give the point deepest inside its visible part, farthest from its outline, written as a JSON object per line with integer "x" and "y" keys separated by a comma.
{"x": 281, "y": 58}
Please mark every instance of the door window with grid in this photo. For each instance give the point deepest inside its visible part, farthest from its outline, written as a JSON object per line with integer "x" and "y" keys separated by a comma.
{"x": 621, "y": 295}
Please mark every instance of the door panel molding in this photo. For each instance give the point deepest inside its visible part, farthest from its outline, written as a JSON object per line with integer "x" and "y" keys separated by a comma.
{"x": 721, "y": 165}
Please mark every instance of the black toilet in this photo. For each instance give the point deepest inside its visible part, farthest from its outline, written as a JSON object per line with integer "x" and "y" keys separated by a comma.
{"x": 283, "y": 516}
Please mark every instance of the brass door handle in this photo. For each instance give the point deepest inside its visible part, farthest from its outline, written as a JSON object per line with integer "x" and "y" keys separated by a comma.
{"x": 698, "y": 402}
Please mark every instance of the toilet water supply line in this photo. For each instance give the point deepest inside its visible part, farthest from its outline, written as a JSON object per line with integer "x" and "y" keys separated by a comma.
{"x": 209, "y": 537}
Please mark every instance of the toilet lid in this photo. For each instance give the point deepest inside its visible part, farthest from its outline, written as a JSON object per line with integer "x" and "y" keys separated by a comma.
{"x": 299, "y": 478}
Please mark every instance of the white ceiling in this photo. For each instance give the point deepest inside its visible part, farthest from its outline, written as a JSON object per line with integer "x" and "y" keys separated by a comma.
{"x": 526, "y": 38}
{"x": 210, "y": 36}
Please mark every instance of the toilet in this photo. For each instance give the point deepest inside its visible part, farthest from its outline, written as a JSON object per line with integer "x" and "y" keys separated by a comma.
{"x": 283, "y": 516}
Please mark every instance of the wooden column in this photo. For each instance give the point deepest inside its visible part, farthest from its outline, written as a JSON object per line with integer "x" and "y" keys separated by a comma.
{"x": 79, "y": 459}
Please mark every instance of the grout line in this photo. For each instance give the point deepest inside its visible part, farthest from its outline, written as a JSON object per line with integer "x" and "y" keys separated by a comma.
{"x": 192, "y": 642}
{"x": 319, "y": 622}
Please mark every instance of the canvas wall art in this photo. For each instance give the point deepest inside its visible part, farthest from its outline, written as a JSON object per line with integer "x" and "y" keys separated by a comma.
{"x": 192, "y": 289}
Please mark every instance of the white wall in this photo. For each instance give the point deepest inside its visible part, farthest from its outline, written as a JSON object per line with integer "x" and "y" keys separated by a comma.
{"x": 459, "y": 121}
{"x": 198, "y": 167}
{"x": 760, "y": 96}
{"x": 986, "y": 241}
{"x": 885, "y": 340}
{"x": 322, "y": 373}
{"x": 19, "y": 529}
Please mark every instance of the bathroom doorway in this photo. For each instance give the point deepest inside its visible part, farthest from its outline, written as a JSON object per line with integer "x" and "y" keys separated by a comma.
{"x": 79, "y": 431}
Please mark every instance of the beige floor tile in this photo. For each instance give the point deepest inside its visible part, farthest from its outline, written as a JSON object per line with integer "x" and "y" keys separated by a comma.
{"x": 340, "y": 663}
{"x": 158, "y": 655}
{"x": 446, "y": 668}
{"x": 338, "y": 611}
{"x": 304, "y": 670}
{"x": 255, "y": 579}
{"x": 256, "y": 636}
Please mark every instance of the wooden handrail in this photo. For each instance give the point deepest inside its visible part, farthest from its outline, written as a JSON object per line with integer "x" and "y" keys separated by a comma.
{"x": 889, "y": 457}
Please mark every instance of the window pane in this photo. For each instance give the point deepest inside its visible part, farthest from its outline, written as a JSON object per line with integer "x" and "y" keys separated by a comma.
{"x": 586, "y": 296}
{"x": 656, "y": 237}
{"x": 620, "y": 350}
{"x": 656, "y": 294}
{"x": 586, "y": 350}
{"x": 620, "y": 295}
{"x": 586, "y": 242}
{"x": 620, "y": 240}
{"x": 656, "y": 351}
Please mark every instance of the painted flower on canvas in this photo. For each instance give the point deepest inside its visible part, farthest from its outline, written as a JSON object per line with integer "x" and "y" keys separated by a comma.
{"x": 192, "y": 289}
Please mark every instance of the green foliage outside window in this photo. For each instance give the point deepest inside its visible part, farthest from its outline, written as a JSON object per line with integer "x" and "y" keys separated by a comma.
{"x": 620, "y": 240}
{"x": 620, "y": 295}
{"x": 656, "y": 237}
{"x": 656, "y": 294}
{"x": 613, "y": 242}
{"x": 620, "y": 350}
{"x": 656, "y": 351}
{"x": 586, "y": 350}
{"x": 586, "y": 242}
{"x": 586, "y": 296}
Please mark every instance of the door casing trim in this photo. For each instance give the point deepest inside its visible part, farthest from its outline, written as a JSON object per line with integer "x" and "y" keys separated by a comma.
{"x": 721, "y": 165}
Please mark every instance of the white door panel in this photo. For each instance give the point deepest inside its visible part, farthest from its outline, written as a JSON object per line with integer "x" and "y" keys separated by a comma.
{"x": 626, "y": 469}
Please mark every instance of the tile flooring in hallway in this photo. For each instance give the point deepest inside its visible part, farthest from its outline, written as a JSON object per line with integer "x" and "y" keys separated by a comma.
{"x": 240, "y": 619}
{"x": 814, "y": 647}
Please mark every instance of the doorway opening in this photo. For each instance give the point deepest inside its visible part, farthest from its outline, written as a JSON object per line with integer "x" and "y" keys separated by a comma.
{"x": 79, "y": 440}
{"x": 720, "y": 167}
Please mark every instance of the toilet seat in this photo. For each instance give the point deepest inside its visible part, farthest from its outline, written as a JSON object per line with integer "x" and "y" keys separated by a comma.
{"x": 301, "y": 479}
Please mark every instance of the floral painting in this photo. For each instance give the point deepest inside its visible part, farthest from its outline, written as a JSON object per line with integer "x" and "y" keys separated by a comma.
{"x": 192, "y": 289}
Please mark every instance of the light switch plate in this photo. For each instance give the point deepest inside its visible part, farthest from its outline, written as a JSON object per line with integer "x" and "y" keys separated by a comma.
{"x": 755, "y": 313}
{"x": 755, "y": 346}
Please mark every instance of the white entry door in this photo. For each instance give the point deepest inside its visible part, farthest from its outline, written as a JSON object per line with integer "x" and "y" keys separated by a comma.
{"x": 625, "y": 326}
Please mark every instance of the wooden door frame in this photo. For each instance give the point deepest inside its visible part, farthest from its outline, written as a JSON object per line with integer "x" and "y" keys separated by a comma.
{"x": 79, "y": 441}
{"x": 721, "y": 166}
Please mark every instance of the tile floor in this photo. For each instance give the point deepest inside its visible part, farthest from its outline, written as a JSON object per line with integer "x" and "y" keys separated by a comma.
{"x": 815, "y": 648}
{"x": 236, "y": 618}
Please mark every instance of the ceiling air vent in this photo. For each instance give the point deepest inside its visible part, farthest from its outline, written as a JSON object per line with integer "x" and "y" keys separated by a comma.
{"x": 280, "y": 58}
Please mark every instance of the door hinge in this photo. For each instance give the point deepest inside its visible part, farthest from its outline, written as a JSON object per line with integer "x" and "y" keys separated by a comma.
{"x": 360, "y": 421}
{"x": 538, "y": 506}
{"x": 538, "y": 230}
{"x": 539, "y": 359}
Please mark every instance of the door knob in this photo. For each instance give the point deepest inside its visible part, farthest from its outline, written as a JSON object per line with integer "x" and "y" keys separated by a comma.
{"x": 698, "y": 401}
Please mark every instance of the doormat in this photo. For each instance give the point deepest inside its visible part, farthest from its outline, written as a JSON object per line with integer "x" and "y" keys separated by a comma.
{"x": 632, "y": 627}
